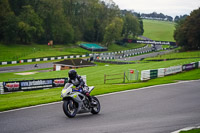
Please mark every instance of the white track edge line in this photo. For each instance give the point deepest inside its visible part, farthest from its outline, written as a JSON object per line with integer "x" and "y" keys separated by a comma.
{"x": 186, "y": 129}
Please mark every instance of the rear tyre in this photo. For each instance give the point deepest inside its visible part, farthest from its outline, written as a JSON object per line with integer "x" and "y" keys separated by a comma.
{"x": 70, "y": 108}
{"x": 96, "y": 109}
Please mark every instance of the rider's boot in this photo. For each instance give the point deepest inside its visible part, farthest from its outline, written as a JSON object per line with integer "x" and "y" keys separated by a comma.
{"x": 90, "y": 99}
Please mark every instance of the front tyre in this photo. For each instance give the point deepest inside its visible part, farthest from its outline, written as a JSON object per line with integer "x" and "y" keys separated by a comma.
{"x": 70, "y": 108}
{"x": 97, "y": 107}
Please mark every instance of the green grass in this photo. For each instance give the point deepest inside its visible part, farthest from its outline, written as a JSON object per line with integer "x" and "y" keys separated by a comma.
{"x": 95, "y": 77}
{"x": 114, "y": 47}
{"x": 191, "y": 131}
{"x": 158, "y": 30}
{"x": 16, "y": 52}
{"x": 13, "y": 52}
{"x": 30, "y": 98}
{"x": 97, "y": 72}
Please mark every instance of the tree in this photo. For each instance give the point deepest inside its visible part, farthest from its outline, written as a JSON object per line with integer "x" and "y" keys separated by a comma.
{"x": 62, "y": 21}
{"x": 131, "y": 26}
{"x": 8, "y": 23}
{"x": 113, "y": 31}
{"x": 187, "y": 33}
{"x": 178, "y": 18}
{"x": 141, "y": 27}
{"x": 30, "y": 25}
{"x": 55, "y": 23}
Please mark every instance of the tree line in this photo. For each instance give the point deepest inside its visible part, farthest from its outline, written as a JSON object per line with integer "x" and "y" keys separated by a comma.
{"x": 178, "y": 18}
{"x": 65, "y": 21}
{"x": 158, "y": 16}
{"x": 187, "y": 31}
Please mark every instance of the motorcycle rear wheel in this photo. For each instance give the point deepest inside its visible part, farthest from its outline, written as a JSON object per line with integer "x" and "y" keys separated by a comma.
{"x": 69, "y": 108}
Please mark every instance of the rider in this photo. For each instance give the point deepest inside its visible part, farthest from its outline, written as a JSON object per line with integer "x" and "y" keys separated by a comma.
{"x": 77, "y": 81}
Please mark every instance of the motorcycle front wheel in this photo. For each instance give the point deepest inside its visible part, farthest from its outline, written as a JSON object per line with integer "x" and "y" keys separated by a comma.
{"x": 70, "y": 108}
{"x": 97, "y": 107}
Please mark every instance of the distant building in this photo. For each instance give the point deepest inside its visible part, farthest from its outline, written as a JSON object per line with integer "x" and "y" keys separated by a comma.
{"x": 71, "y": 64}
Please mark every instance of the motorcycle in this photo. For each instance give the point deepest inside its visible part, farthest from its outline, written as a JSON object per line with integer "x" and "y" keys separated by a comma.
{"x": 74, "y": 102}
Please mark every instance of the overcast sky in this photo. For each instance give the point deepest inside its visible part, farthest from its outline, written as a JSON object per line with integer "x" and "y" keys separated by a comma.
{"x": 167, "y": 7}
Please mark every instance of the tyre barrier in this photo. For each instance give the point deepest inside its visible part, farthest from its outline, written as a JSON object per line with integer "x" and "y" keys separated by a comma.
{"x": 45, "y": 59}
{"x": 161, "y": 72}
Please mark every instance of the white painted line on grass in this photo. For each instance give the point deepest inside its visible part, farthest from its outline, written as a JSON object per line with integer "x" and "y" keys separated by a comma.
{"x": 144, "y": 88}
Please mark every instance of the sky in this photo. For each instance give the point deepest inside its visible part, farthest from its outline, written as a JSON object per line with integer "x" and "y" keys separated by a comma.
{"x": 167, "y": 7}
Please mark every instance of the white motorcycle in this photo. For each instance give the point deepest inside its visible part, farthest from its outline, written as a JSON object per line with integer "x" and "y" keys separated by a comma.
{"x": 75, "y": 102}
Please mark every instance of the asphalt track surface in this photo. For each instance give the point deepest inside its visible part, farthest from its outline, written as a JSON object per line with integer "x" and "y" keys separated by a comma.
{"x": 158, "y": 109}
{"x": 25, "y": 67}
{"x": 140, "y": 57}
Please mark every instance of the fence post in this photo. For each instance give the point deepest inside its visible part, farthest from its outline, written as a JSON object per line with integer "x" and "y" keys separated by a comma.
{"x": 124, "y": 77}
{"x": 104, "y": 78}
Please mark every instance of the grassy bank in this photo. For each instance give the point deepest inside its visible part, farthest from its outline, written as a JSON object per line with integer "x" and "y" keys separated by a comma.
{"x": 159, "y": 30}
{"x": 10, "y": 52}
{"x": 13, "y": 52}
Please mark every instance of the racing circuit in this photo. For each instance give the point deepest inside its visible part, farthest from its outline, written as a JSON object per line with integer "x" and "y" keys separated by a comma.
{"x": 157, "y": 109}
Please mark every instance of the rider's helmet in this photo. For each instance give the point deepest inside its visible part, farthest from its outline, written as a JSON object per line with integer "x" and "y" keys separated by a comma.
{"x": 72, "y": 74}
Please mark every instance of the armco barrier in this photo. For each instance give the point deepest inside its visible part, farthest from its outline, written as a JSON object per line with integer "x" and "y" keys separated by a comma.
{"x": 33, "y": 84}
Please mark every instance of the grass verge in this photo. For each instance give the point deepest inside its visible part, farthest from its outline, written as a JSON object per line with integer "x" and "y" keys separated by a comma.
{"x": 191, "y": 131}
{"x": 30, "y": 98}
{"x": 95, "y": 74}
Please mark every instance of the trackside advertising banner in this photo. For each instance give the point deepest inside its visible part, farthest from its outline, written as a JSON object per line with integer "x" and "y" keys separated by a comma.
{"x": 11, "y": 86}
{"x": 145, "y": 75}
{"x": 149, "y": 42}
{"x": 190, "y": 66}
{"x": 33, "y": 84}
{"x": 172, "y": 70}
{"x": 36, "y": 84}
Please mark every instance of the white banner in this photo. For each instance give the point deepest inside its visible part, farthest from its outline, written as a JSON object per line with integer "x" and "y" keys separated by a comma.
{"x": 1, "y": 88}
{"x": 161, "y": 72}
{"x": 145, "y": 75}
{"x": 199, "y": 64}
{"x": 172, "y": 70}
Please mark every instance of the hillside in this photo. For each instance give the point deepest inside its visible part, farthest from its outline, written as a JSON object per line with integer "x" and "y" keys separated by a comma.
{"x": 155, "y": 30}
{"x": 159, "y": 30}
